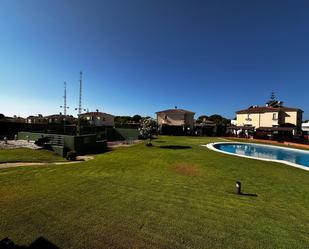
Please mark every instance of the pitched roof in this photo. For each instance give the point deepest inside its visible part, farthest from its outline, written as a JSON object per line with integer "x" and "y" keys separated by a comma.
{"x": 176, "y": 111}
{"x": 94, "y": 114}
{"x": 58, "y": 116}
{"x": 263, "y": 109}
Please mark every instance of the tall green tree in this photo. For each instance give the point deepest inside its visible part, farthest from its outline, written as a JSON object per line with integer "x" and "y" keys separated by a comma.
{"x": 219, "y": 120}
{"x": 201, "y": 119}
{"x": 136, "y": 118}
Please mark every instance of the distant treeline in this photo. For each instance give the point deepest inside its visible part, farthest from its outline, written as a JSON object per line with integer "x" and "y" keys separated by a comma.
{"x": 136, "y": 119}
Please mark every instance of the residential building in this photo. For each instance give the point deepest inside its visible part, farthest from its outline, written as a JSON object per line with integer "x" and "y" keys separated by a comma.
{"x": 15, "y": 119}
{"x": 39, "y": 119}
{"x": 59, "y": 118}
{"x": 305, "y": 129}
{"x": 98, "y": 118}
{"x": 233, "y": 122}
{"x": 176, "y": 117}
{"x": 207, "y": 127}
{"x": 175, "y": 121}
{"x": 272, "y": 119}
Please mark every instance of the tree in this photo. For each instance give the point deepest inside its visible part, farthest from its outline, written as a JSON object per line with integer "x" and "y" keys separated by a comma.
{"x": 148, "y": 125}
{"x": 123, "y": 119}
{"x": 273, "y": 96}
{"x": 273, "y": 102}
{"x": 201, "y": 119}
{"x": 219, "y": 120}
{"x": 136, "y": 118}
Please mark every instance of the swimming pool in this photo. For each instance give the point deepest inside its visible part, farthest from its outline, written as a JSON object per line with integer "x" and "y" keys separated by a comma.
{"x": 294, "y": 157}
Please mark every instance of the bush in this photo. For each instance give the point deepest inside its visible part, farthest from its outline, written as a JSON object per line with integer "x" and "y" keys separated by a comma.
{"x": 71, "y": 155}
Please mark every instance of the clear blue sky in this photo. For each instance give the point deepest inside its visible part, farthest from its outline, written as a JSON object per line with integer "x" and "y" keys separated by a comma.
{"x": 142, "y": 56}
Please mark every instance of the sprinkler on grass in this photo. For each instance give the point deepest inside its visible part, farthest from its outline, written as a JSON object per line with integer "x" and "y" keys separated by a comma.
{"x": 238, "y": 188}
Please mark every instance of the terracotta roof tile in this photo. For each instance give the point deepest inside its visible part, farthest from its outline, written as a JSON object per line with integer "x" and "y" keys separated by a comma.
{"x": 263, "y": 109}
{"x": 175, "y": 111}
{"x": 94, "y": 114}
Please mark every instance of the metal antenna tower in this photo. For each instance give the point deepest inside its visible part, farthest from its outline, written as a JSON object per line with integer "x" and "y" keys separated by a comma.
{"x": 80, "y": 109}
{"x": 64, "y": 106}
{"x": 80, "y": 92}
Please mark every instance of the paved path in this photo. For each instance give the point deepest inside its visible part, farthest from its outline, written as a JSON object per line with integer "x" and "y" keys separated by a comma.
{"x": 21, "y": 164}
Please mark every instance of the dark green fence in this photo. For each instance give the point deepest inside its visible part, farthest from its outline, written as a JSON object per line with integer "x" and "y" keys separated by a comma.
{"x": 61, "y": 144}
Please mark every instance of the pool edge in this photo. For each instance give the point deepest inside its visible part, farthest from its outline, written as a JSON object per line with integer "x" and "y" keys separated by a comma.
{"x": 211, "y": 147}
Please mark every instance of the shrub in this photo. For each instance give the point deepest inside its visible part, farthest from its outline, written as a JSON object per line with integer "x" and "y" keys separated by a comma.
{"x": 71, "y": 155}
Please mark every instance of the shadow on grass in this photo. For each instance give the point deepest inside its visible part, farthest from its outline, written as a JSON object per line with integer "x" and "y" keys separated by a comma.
{"x": 39, "y": 243}
{"x": 175, "y": 147}
{"x": 242, "y": 194}
{"x": 245, "y": 194}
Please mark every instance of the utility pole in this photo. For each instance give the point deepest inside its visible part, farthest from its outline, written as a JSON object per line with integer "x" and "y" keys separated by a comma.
{"x": 65, "y": 107}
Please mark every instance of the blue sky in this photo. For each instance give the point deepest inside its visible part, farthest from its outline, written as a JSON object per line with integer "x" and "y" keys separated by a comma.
{"x": 142, "y": 56}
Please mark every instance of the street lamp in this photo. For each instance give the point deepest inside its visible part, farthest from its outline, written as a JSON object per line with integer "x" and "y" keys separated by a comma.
{"x": 238, "y": 188}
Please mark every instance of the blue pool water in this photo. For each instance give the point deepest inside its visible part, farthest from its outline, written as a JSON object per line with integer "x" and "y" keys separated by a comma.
{"x": 266, "y": 152}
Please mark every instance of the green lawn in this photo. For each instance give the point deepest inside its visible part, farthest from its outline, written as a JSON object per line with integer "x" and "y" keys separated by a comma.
{"x": 157, "y": 197}
{"x": 28, "y": 155}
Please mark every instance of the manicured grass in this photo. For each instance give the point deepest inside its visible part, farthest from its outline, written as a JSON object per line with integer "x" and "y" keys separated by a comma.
{"x": 28, "y": 155}
{"x": 176, "y": 194}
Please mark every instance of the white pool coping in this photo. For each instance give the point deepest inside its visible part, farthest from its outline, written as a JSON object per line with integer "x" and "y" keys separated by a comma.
{"x": 211, "y": 147}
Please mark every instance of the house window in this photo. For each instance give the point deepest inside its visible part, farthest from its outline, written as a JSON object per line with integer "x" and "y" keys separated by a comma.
{"x": 103, "y": 118}
{"x": 248, "y": 117}
{"x": 275, "y": 116}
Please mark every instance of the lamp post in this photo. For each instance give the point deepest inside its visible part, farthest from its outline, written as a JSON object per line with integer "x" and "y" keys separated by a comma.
{"x": 238, "y": 188}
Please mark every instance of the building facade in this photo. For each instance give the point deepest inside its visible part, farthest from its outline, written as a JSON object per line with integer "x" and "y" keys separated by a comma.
{"x": 267, "y": 116}
{"x": 175, "y": 121}
{"x": 267, "y": 121}
{"x": 59, "y": 119}
{"x": 176, "y": 117}
{"x": 98, "y": 118}
{"x": 39, "y": 119}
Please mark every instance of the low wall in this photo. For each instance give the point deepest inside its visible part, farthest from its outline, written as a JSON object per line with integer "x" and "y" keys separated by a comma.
{"x": 116, "y": 134}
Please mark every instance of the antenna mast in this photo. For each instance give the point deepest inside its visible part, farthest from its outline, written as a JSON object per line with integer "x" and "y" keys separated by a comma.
{"x": 80, "y": 109}
{"x": 80, "y": 92}
{"x": 65, "y": 107}
{"x": 65, "y": 100}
